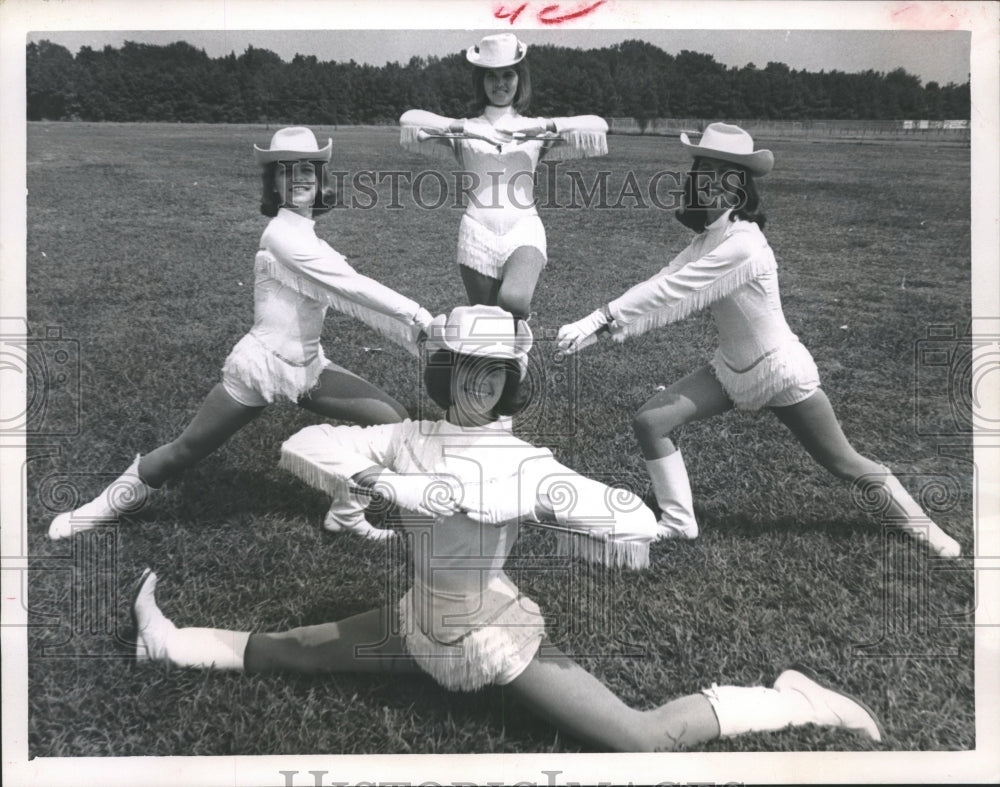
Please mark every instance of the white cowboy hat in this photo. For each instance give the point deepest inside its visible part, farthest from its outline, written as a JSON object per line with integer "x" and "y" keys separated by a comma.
{"x": 730, "y": 143}
{"x": 497, "y": 51}
{"x": 295, "y": 143}
{"x": 481, "y": 331}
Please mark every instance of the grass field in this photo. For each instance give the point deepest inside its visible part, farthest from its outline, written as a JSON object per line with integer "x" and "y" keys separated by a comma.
{"x": 140, "y": 248}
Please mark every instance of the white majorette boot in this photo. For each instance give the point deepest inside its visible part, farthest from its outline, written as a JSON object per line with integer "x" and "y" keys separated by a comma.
{"x": 349, "y": 517}
{"x": 673, "y": 496}
{"x": 157, "y": 639}
{"x": 125, "y": 494}
{"x": 905, "y": 511}
{"x": 795, "y": 700}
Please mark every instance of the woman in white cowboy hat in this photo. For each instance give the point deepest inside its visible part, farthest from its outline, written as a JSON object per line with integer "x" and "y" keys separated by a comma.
{"x": 501, "y": 242}
{"x": 730, "y": 268}
{"x": 463, "y": 621}
{"x": 297, "y": 277}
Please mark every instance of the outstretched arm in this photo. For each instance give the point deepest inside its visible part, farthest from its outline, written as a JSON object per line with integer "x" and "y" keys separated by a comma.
{"x": 311, "y": 267}
{"x": 426, "y": 133}
{"x": 583, "y": 136}
{"x": 605, "y": 524}
{"x": 690, "y": 282}
{"x": 422, "y": 119}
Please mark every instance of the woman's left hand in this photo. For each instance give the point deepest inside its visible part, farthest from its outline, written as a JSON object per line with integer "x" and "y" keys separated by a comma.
{"x": 496, "y": 502}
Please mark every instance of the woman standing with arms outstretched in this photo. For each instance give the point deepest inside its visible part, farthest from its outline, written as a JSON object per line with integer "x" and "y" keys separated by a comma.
{"x": 501, "y": 241}
{"x": 730, "y": 268}
{"x": 297, "y": 278}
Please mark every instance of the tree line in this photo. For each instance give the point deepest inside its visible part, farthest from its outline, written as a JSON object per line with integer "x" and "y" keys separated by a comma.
{"x": 178, "y": 82}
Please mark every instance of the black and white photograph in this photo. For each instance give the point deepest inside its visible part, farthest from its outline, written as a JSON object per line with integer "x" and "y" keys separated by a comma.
{"x": 578, "y": 392}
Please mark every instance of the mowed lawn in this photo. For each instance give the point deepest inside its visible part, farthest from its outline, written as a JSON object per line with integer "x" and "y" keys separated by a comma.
{"x": 140, "y": 251}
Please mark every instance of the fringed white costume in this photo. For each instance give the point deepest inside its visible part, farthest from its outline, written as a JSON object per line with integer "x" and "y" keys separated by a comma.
{"x": 297, "y": 277}
{"x": 730, "y": 268}
{"x": 464, "y": 620}
{"x": 501, "y": 214}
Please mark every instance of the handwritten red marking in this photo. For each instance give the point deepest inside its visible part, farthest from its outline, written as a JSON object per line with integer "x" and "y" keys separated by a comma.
{"x": 941, "y": 16}
{"x": 545, "y": 19}
{"x": 502, "y": 13}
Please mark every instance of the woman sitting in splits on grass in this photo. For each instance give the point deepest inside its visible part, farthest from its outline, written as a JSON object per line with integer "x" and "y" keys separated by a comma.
{"x": 463, "y": 621}
{"x": 730, "y": 268}
{"x": 297, "y": 277}
{"x": 501, "y": 240}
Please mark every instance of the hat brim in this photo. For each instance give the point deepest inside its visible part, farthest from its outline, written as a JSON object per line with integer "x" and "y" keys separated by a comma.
{"x": 438, "y": 339}
{"x": 758, "y": 163}
{"x": 477, "y": 59}
{"x": 266, "y": 156}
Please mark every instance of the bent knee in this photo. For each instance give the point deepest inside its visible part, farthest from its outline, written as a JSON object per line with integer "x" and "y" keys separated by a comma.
{"x": 516, "y": 301}
{"x": 655, "y": 423}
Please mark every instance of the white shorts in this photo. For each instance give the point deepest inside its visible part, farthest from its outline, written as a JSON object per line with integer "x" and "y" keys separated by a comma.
{"x": 486, "y": 251}
{"x": 782, "y": 377}
{"x": 794, "y": 394}
{"x": 495, "y": 653}
{"x": 255, "y": 376}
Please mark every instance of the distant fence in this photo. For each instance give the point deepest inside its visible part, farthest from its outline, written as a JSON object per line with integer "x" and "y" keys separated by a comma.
{"x": 951, "y": 130}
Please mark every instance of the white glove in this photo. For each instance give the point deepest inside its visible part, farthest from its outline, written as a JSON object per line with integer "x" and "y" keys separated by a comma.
{"x": 428, "y": 494}
{"x": 421, "y": 320}
{"x": 574, "y": 336}
{"x": 497, "y": 502}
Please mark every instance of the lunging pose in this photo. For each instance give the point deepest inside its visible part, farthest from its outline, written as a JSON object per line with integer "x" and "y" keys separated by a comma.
{"x": 297, "y": 278}
{"x": 730, "y": 268}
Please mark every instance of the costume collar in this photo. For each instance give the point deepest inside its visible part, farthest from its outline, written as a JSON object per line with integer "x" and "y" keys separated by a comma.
{"x": 446, "y": 427}
{"x": 295, "y": 219}
{"x": 722, "y": 221}
{"x": 493, "y": 114}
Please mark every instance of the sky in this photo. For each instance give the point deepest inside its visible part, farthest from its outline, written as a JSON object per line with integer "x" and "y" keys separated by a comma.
{"x": 939, "y": 55}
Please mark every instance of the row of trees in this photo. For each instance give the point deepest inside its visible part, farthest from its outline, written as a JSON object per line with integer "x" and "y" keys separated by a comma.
{"x": 142, "y": 82}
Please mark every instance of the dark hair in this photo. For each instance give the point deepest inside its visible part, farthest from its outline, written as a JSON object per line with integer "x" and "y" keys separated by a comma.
{"x": 440, "y": 365}
{"x": 748, "y": 204}
{"x": 522, "y": 96}
{"x": 739, "y": 193}
{"x": 271, "y": 199}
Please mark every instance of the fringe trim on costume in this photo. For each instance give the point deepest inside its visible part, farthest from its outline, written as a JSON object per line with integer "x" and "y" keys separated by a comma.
{"x": 480, "y": 657}
{"x": 390, "y": 327}
{"x": 604, "y": 550}
{"x": 579, "y": 144}
{"x": 789, "y": 365}
{"x": 486, "y": 252}
{"x": 336, "y": 487}
{"x": 479, "y": 256}
{"x": 434, "y": 148}
{"x": 697, "y": 300}
{"x": 269, "y": 375}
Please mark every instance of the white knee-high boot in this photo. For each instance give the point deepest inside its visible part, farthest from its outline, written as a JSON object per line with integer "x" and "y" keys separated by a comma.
{"x": 158, "y": 639}
{"x": 673, "y": 495}
{"x": 795, "y": 700}
{"x": 126, "y": 493}
{"x": 905, "y": 511}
